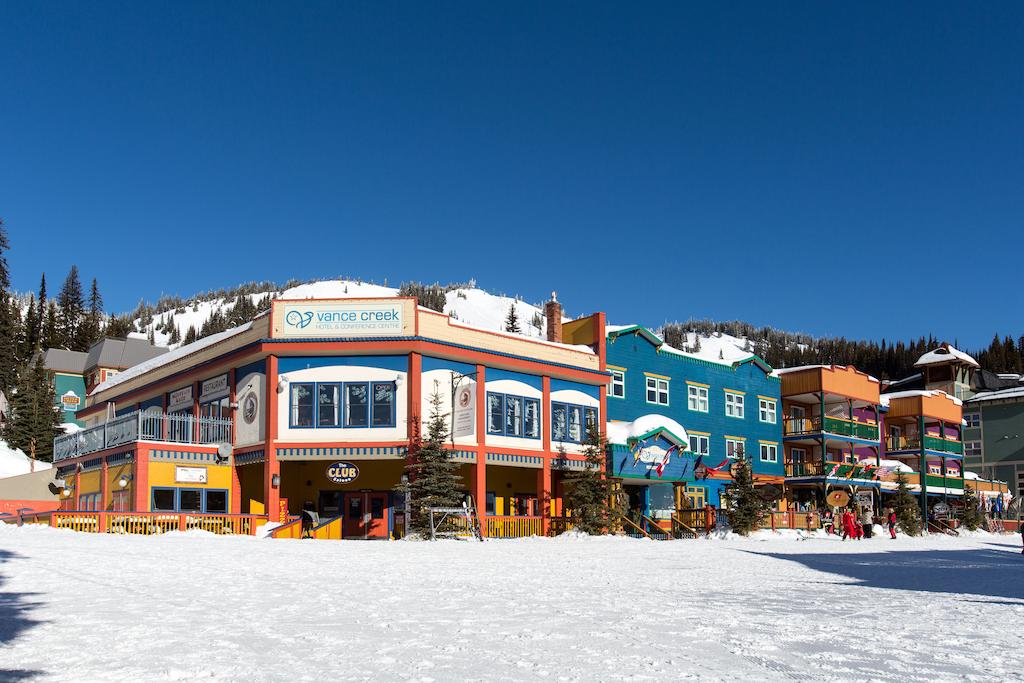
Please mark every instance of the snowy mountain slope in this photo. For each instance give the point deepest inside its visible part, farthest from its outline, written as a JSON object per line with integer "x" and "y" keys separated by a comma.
{"x": 469, "y": 305}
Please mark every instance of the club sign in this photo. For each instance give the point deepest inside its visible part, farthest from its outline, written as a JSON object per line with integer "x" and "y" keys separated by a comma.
{"x": 342, "y": 472}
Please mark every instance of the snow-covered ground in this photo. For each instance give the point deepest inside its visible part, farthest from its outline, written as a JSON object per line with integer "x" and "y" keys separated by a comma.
{"x": 191, "y": 606}
{"x": 13, "y": 462}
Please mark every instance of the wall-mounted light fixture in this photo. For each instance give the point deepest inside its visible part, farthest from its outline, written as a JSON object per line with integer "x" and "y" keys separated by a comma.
{"x": 123, "y": 480}
{"x": 275, "y": 481}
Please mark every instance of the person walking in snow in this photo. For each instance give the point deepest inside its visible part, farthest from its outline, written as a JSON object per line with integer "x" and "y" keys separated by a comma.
{"x": 849, "y": 522}
{"x": 891, "y": 519}
{"x": 828, "y": 521}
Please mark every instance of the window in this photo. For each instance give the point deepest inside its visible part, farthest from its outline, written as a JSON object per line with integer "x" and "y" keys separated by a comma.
{"x": 767, "y": 410}
{"x": 491, "y": 502}
{"x": 569, "y": 421}
{"x": 509, "y": 415}
{"x": 190, "y": 500}
{"x": 734, "y": 448}
{"x": 618, "y": 386}
{"x": 328, "y": 408}
{"x": 164, "y": 500}
{"x": 973, "y": 419}
{"x": 700, "y": 444}
{"x": 376, "y": 508}
{"x": 357, "y": 405}
{"x": 697, "y": 398}
{"x": 972, "y": 449}
{"x": 734, "y": 405}
{"x": 695, "y": 496}
{"x": 302, "y": 405}
{"x": 383, "y": 404}
{"x": 657, "y": 391}
{"x": 217, "y": 501}
{"x": 769, "y": 452}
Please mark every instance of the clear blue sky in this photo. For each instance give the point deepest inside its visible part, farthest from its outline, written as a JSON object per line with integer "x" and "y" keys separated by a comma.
{"x": 833, "y": 168}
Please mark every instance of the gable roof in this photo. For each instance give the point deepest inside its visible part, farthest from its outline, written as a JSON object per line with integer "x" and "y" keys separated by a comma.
{"x": 946, "y": 353}
{"x": 122, "y": 353}
{"x": 741, "y": 357}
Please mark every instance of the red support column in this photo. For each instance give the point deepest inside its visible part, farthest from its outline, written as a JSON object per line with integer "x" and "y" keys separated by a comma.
{"x": 140, "y": 480}
{"x": 271, "y": 467}
{"x": 78, "y": 487}
{"x": 104, "y": 495}
{"x": 195, "y": 411}
{"x": 480, "y": 472}
{"x": 235, "y": 504}
{"x": 415, "y": 398}
{"x": 544, "y": 474}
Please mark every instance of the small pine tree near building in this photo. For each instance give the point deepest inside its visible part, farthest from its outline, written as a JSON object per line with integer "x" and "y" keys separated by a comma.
{"x": 512, "y": 320}
{"x": 908, "y": 519}
{"x": 588, "y": 492}
{"x": 746, "y": 506}
{"x": 433, "y": 478}
{"x": 972, "y": 518}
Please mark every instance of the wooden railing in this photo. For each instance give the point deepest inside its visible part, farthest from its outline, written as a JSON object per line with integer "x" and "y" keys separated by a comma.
{"x": 793, "y": 426}
{"x": 513, "y": 527}
{"x": 791, "y": 519}
{"x": 933, "y": 443}
{"x": 329, "y": 530}
{"x": 559, "y": 525}
{"x": 144, "y": 523}
{"x": 142, "y": 426}
{"x": 290, "y": 529}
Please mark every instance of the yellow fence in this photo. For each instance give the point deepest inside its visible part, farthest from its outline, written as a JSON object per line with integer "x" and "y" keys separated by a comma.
{"x": 329, "y": 530}
{"x": 513, "y": 527}
{"x": 148, "y": 523}
{"x": 76, "y": 521}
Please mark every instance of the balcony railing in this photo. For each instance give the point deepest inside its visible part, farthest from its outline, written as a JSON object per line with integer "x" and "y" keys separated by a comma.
{"x": 933, "y": 443}
{"x": 142, "y": 426}
{"x": 795, "y": 426}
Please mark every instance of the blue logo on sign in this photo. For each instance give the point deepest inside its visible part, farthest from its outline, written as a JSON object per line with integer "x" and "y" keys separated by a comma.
{"x": 342, "y": 472}
{"x": 299, "y": 319}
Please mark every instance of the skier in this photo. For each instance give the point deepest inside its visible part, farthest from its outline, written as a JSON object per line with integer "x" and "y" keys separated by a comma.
{"x": 892, "y": 523}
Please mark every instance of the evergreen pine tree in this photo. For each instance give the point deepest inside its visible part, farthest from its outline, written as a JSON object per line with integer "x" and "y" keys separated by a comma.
{"x": 588, "y": 492}
{"x": 71, "y": 303}
{"x": 118, "y": 327}
{"x": 908, "y": 518}
{"x": 33, "y": 421}
{"x": 10, "y": 341}
{"x": 746, "y": 506}
{"x": 91, "y": 329}
{"x": 49, "y": 337}
{"x": 190, "y": 335}
{"x": 175, "y": 334}
{"x": 972, "y": 515}
{"x": 434, "y": 479}
{"x": 512, "y": 320}
{"x": 30, "y": 329}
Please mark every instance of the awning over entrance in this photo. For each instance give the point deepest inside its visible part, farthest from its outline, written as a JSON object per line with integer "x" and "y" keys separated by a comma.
{"x": 652, "y": 447}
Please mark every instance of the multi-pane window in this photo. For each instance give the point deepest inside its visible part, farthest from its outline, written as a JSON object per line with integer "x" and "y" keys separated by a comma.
{"x": 734, "y": 405}
{"x": 767, "y": 410}
{"x": 697, "y": 398}
{"x": 700, "y": 444}
{"x": 973, "y": 419}
{"x": 657, "y": 391}
{"x": 972, "y": 449}
{"x": 509, "y": 415}
{"x": 618, "y": 385}
{"x": 569, "y": 422}
{"x": 302, "y": 409}
{"x": 337, "y": 404}
{"x": 769, "y": 452}
{"x": 734, "y": 448}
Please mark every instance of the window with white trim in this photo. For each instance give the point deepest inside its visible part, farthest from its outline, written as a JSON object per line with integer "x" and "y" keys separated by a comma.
{"x": 700, "y": 444}
{"x": 972, "y": 419}
{"x": 734, "y": 405}
{"x": 697, "y": 398}
{"x": 972, "y": 449}
{"x": 769, "y": 452}
{"x": 618, "y": 385}
{"x": 657, "y": 391}
{"x": 767, "y": 410}
{"x": 734, "y": 448}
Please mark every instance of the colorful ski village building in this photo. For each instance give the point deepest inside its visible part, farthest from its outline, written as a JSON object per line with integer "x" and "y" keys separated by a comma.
{"x": 317, "y": 404}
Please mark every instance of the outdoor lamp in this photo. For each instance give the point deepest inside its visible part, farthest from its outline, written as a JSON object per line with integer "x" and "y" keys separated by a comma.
{"x": 66, "y": 493}
{"x": 275, "y": 481}
{"x": 398, "y": 380}
{"x": 123, "y": 480}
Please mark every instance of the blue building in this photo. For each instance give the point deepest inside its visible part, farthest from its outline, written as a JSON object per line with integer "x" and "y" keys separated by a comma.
{"x": 721, "y": 404}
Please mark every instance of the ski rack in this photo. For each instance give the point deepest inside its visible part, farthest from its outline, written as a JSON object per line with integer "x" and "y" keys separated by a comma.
{"x": 439, "y": 515}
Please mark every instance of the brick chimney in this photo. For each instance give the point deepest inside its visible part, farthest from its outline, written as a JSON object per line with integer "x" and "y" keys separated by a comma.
{"x": 553, "y": 315}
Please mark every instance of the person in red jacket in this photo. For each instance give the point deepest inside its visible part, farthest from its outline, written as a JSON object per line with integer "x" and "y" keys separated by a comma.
{"x": 892, "y": 523}
{"x": 849, "y": 525}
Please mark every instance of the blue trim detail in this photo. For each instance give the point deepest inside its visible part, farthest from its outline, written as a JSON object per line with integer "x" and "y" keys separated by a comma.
{"x": 398, "y": 363}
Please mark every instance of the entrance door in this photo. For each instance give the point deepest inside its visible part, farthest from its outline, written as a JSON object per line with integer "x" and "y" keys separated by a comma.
{"x": 366, "y": 514}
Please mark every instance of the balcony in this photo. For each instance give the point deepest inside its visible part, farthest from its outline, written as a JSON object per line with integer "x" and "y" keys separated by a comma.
{"x": 142, "y": 426}
{"x": 933, "y": 443}
{"x": 796, "y": 426}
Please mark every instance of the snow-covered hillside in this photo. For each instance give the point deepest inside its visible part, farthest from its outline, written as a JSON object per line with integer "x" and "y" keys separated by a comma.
{"x": 470, "y": 305}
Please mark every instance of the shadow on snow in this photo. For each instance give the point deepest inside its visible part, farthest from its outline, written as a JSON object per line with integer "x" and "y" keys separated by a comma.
{"x": 983, "y": 572}
{"x": 14, "y": 619}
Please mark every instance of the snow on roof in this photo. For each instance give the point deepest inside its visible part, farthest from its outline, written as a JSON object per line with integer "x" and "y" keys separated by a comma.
{"x": 944, "y": 354}
{"x": 14, "y": 462}
{"x": 971, "y": 475}
{"x": 1013, "y": 392}
{"x": 621, "y": 432}
{"x": 799, "y": 368}
{"x": 893, "y": 464}
{"x": 170, "y": 357}
{"x": 918, "y": 392}
{"x": 723, "y": 349}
